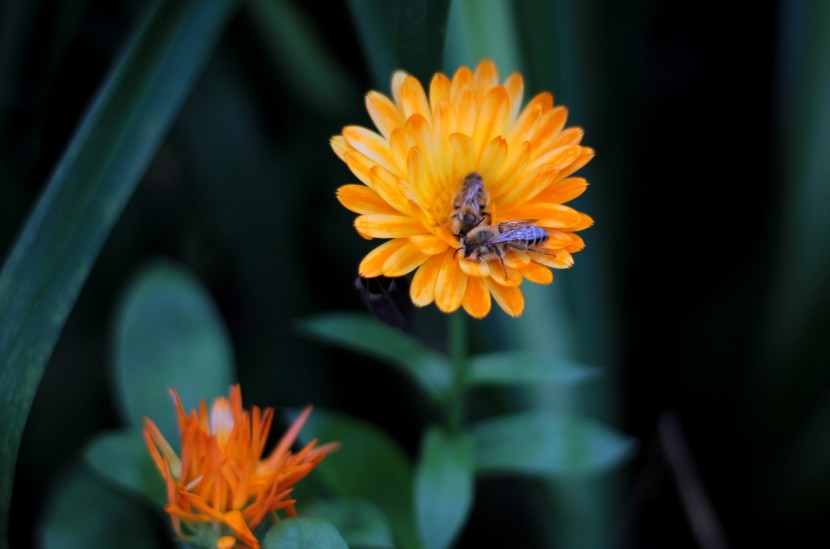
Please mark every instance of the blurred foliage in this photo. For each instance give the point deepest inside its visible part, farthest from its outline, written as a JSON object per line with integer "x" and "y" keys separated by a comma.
{"x": 704, "y": 125}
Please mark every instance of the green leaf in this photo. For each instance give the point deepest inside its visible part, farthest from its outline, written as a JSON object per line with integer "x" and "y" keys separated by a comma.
{"x": 84, "y": 512}
{"x": 304, "y": 533}
{"x": 547, "y": 443}
{"x": 360, "y": 522}
{"x": 122, "y": 458}
{"x": 443, "y": 487}
{"x": 85, "y": 196}
{"x": 168, "y": 333}
{"x": 407, "y": 34}
{"x": 514, "y": 367}
{"x": 483, "y": 29}
{"x": 364, "y": 334}
{"x": 369, "y": 464}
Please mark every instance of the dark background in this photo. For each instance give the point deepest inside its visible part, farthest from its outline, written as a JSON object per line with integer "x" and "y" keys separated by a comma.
{"x": 684, "y": 292}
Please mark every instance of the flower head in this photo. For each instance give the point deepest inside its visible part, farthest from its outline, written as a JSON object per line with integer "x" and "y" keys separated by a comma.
{"x": 219, "y": 487}
{"x": 466, "y": 241}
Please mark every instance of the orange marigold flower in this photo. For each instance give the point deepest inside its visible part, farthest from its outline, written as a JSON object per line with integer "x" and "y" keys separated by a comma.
{"x": 219, "y": 488}
{"x": 470, "y": 128}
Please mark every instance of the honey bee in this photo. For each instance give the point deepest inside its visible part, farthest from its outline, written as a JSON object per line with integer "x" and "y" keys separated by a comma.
{"x": 469, "y": 205}
{"x": 486, "y": 242}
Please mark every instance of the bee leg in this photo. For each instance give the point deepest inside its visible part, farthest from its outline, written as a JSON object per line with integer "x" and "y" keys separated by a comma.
{"x": 540, "y": 251}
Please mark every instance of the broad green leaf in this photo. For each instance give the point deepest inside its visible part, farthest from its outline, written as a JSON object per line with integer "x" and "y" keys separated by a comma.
{"x": 85, "y": 196}
{"x": 304, "y": 533}
{"x": 368, "y": 464}
{"x": 84, "y": 511}
{"x": 122, "y": 458}
{"x": 407, "y": 34}
{"x": 478, "y": 30}
{"x": 169, "y": 333}
{"x": 443, "y": 487}
{"x": 362, "y": 333}
{"x": 531, "y": 367}
{"x": 360, "y": 522}
{"x": 547, "y": 443}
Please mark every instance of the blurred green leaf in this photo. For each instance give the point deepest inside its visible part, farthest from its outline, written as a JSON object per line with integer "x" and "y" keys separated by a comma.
{"x": 311, "y": 72}
{"x": 407, "y": 34}
{"x": 479, "y": 30}
{"x": 360, "y": 522}
{"x": 304, "y": 533}
{"x": 85, "y": 196}
{"x": 85, "y": 512}
{"x": 168, "y": 333}
{"x": 547, "y": 443}
{"x": 443, "y": 487}
{"x": 364, "y": 334}
{"x": 369, "y": 464}
{"x": 513, "y": 367}
{"x": 122, "y": 458}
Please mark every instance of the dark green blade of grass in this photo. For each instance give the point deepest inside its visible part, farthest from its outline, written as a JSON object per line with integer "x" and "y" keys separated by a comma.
{"x": 86, "y": 193}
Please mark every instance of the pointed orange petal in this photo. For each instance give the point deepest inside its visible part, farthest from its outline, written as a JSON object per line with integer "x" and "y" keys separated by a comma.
{"x": 555, "y": 216}
{"x": 439, "y": 90}
{"x": 236, "y": 522}
{"x": 535, "y": 272}
{"x": 515, "y": 87}
{"x": 398, "y": 78}
{"x": 372, "y": 264}
{"x": 475, "y": 268}
{"x": 493, "y": 116}
{"x": 464, "y": 158}
{"x": 384, "y": 113}
{"x": 404, "y": 261}
{"x": 563, "y": 190}
{"x": 429, "y": 244}
{"x": 226, "y": 542}
{"x": 522, "y": 190}
{"x": 487, "y": 76}
{"x": 585, "y": 221}
{"x": 576, "y": 244}
{"x": 569, "y": 136}
{"x": 560, "y": 158}
{"x": 466, "y": 110}
{"x": 585, "y": 156}
{"x": 450, "y": 285}
{"x": 387, "y": 226}
{"x": 476, "y": 299}
{"x": 339, "y": 146}
{"x": 391, "y": 189}
{"x": 422, "y": 289}
{"x": 493, "y": 158}
{"x": 372, "y": 145}
{"x": 548, "y": 129}
{"x": 509, "y": 298}
{"x": 363, "y": 200}
{"x": 463, "y": 78}
{"x": 562, "y": 260}
{"x": 414, "y": 99}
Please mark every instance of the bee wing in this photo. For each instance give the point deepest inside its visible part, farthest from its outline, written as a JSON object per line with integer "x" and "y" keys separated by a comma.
{"x": 521, "y": 233}
{"x": 505, "y": 226}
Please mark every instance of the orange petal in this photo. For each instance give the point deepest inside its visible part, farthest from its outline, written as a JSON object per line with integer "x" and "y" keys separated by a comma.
{"x": 464, "y": 159}
{"x": 387, "y": 226}
{"x": 509, "y": 298}
{"x": 422, "y": 289}
{"x": 466, "y": 109}
{"x": 515, "y": 87}
{"x": 487, "y": 76}
{"x": 493, "y": 158}
{"x": 391, "y": 189}
{"x": 476, "y": 299}
{"x": 398, "y": 78}
{"x": 339, "y": 146}
{"x": 237, "y": 523}
{"x": 548, "y": 129}
{"x": 225, "y": 542}
{"x": 535, "y": 272}
{"x": 562, "y": 259}
{"x": 563, "y": 190}
{"x": 372, "y": 264}
{"x": 384, "y": 113}
{"x": 450, "y": 285}
{"x": 555, "y": 216}
{"x": 585, "y": 221}
{"x": 475, "y": 268}
{"x": 569, "y": 136}
{"x": 585, "y": 156}
{"x": 514, "y": 277}
{"x": 429, "y": 244}
{"x": 493, "y": 116}
{"x": 576, "y": 244}
{"x": 439, "y": 90}
{"x": 374, "y": 146}
{"x": 363, "y": 200}
{"x": 414, "y": 100}
{"x": 513, "y": 194}
{"x": 560, "y": 158}
{"x": 399, "y": 144}
{"x": 463, "y": 78}
{"x": 511, "y": 169}
{"x": 404, "y": 261}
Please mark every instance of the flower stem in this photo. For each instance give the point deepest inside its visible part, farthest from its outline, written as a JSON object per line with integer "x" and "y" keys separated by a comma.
{"x": 458, "y": 352}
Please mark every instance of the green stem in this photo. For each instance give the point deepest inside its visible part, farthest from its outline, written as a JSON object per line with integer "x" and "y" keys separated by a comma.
{"x": 458, "y": 352}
